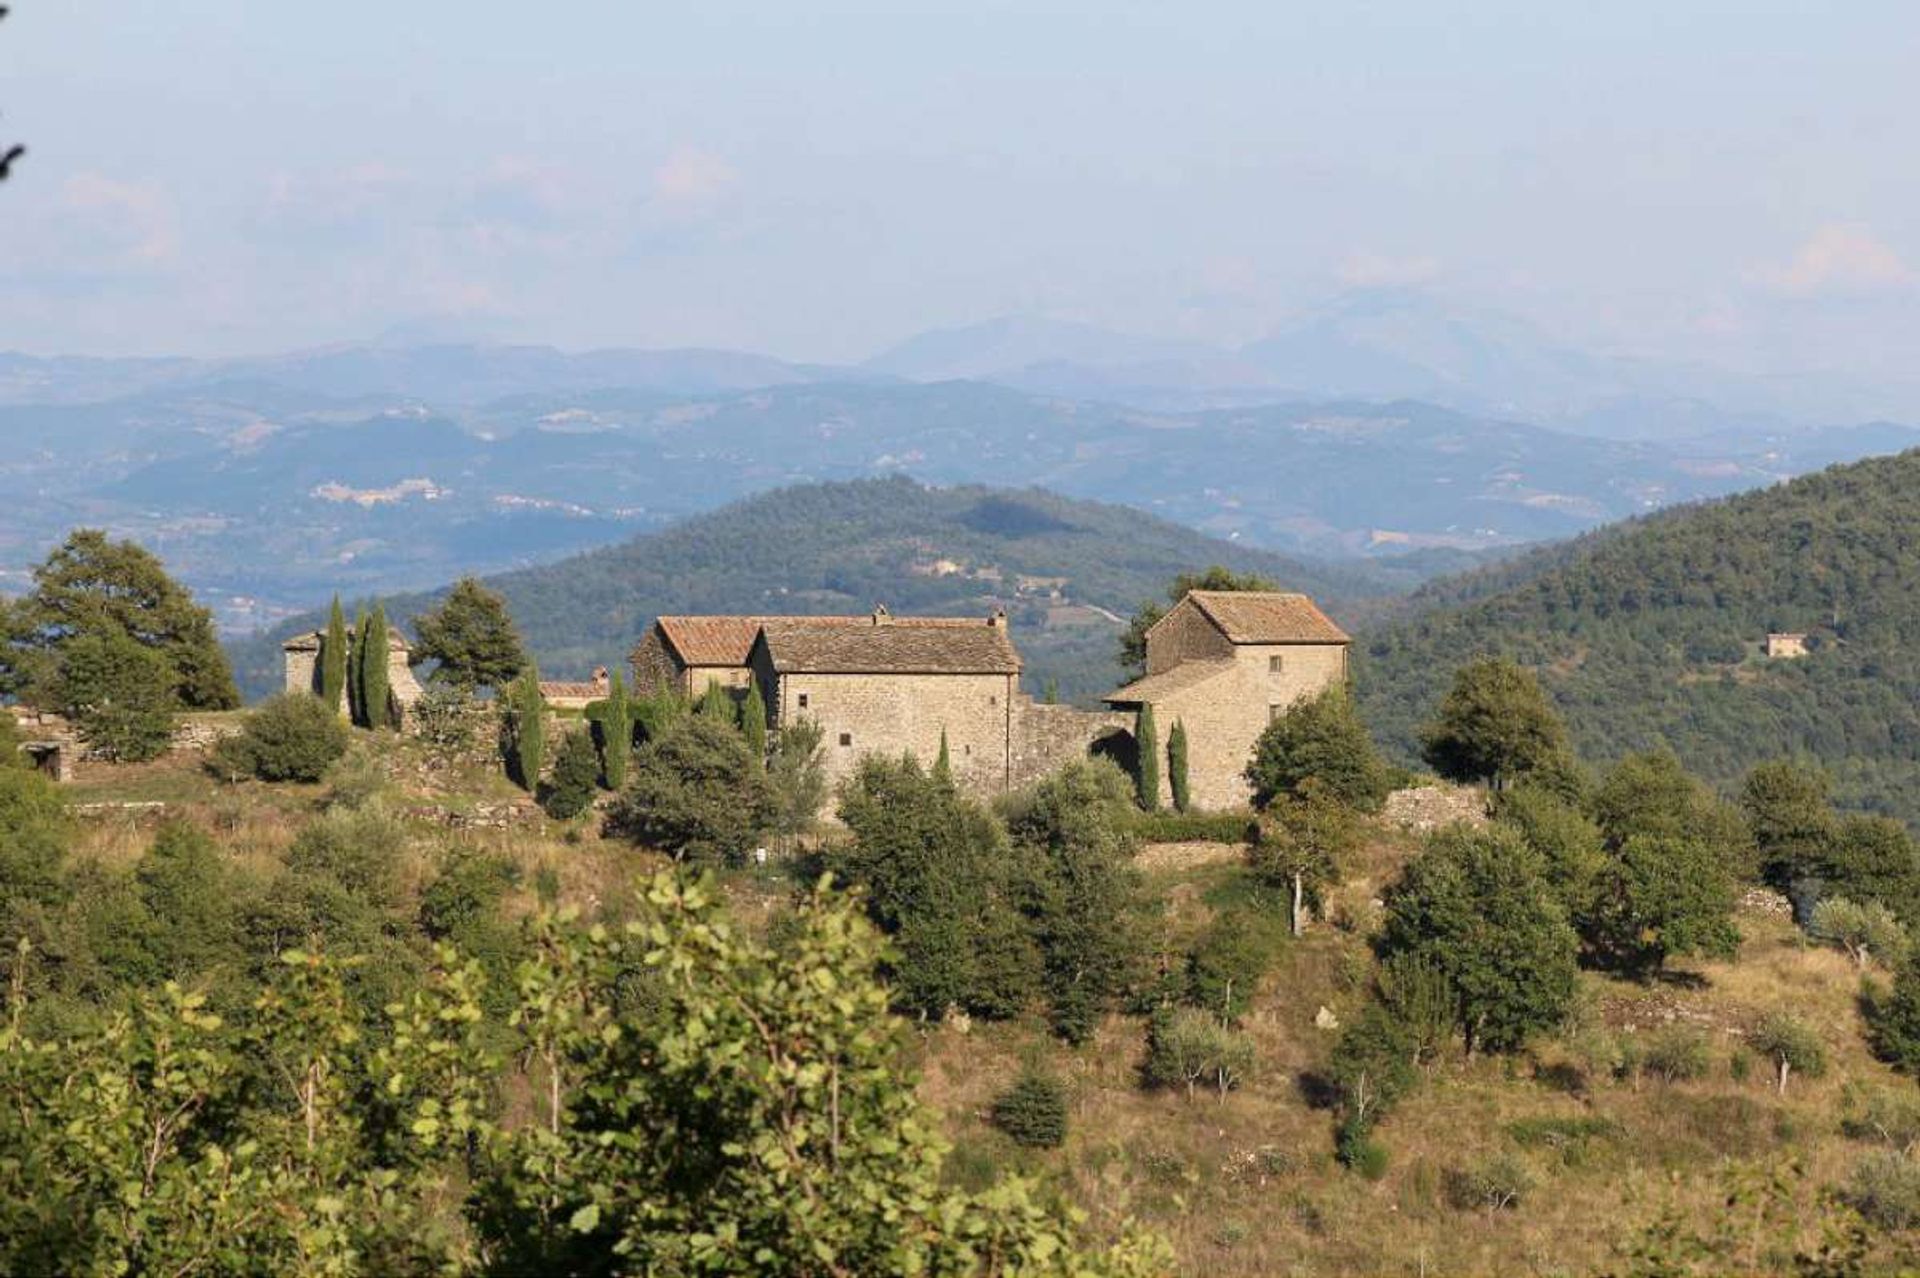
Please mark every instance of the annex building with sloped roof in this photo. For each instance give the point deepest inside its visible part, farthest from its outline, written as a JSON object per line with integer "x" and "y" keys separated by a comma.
{"x": 1225, "y": 664}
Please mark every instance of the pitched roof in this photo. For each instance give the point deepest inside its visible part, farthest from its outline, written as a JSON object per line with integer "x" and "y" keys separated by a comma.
{"x": 1263, "y": 616}
{"x": 726, "y": 641}
{"x": 1163, "y": 685}
{"x": 555, "y": 690}
{"x": 945, "y": 645}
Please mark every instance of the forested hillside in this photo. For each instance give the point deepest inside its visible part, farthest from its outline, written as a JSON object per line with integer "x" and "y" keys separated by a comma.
{"x": 842, "y": 547}
{"x": 1651, "y": 633}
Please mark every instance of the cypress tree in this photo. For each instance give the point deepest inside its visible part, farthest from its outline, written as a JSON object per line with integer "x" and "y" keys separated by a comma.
{"x": 529, "y": 729}
{"x": 1147, "y": 778}
{"x": 943, "y": 764}
{"x": 333, "y": 658}
{"x": 753, "y": 722}
{"x": 616, "y": 733}
{"x": 373, "y": 679}
{"x": 357, "y": 669}
{"x": 716, "y": 703}
{"x": 1177, "y": 765}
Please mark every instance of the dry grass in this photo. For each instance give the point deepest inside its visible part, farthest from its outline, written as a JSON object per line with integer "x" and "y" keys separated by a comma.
{"x": 1249, "y": 1186}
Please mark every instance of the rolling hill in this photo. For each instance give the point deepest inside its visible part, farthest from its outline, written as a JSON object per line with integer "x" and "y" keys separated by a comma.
{"x": 1651, "y": 633}
{"x": 1068, "y": 572}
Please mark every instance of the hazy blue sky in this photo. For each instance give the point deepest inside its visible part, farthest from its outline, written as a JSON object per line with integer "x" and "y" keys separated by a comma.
{"x": 1730, "y": 181}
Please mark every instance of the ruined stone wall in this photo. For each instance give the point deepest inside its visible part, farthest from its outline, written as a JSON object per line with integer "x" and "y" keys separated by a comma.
{"x": 303, "y": 671}
{"x": 894, "y": 714}
{"x": 1183, "y": 635}
{"x": 1046, "y": 737}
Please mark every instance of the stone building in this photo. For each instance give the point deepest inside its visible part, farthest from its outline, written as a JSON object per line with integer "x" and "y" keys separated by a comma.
{"x": 1786, "y": 645}
{"x": 1227, "y": 663}
{"x": 563, "y": 695}
{"x": 301, "y": 655}
{"x": 890, "y": 687}
{"x": 1223, "y": 663}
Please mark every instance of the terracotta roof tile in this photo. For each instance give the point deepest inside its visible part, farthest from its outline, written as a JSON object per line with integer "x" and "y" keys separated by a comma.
{"x": 1267, "y": 617}
{"x": 915, "y": 645}
{"x": 726, "y": 641}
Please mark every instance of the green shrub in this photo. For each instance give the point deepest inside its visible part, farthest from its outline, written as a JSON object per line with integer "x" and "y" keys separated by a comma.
{"x": 1885, "y": 1188}
{"x": 1677, "y": 1054}
{"x": 1791, "y": 1045}
{"x": 1359, "y": 1152}
{"x": 447, "y": 719}
{"x": 576, "y": 769}
{"x": 1190, "y": 827}
{"x": 1033, "y": 1112}
{"x": 359, "y": 849}
{"x": 291, "y": 737}
{"x": 696, "y": 794}
{"x": 1886, "y": 1115}
{"x": 1186, "y": 1048}
{"x": 1498, "y": 1183}
{"x": 1225, "y": 965}
{"x": 1866, "y": 932}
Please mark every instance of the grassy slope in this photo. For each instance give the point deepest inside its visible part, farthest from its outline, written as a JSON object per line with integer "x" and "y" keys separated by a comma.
{"x": 1648, "y": 633}
{"x": 1247, "y": 1185}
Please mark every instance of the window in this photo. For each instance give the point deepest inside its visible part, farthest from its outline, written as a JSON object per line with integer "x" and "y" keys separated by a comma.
{"x": 1274, "y": 711}
{"x": 802, "y": 699}
{"x": 846, "y": 738}
{"x": 1276, "y": 665}
{"x": 993, "y": 701}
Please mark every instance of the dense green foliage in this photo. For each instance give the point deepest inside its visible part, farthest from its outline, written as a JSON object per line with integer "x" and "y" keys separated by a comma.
{"x": 939, "y": 879}
{"x": 568, "y": 791}
{"x": 376, "y": 693}
{"x": 1146, "y": 780}
{"x": 1319, "y": 744}
{"x": 696, "y": 794}
{"x": 1301, "y": 848}
{"x": 471, "y": 637}
{"x": 1495, "y": 726}
{"x": 1033, "y": 1112}
{"x": 1478, "y": 908}
{"x": 115, "y": 689}
{"x": 1649, "y": 634}
{"x": 293, "y": 736}
{"x": 612, "y": 721}
{"x": 334, "y": 653}
{"x": 524, "y": 729}
{"x": 109, "y": 592}
{"x": 753, "y": 722}
{"x": 1177, "y": 779}
{"x": 751, "y": 1112}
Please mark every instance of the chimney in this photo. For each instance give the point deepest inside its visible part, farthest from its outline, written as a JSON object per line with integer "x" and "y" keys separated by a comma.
{"x": 881, "y": 617}
{"x": 997, "y": 619}
{"x": 600, "y": 680}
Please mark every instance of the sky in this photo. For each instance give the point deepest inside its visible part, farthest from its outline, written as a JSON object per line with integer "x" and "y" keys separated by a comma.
{"x": 1732, "y": 183}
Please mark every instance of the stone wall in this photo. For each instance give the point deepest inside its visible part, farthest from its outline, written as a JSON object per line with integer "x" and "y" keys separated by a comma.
{"x": 895, "y": 714}
{"x": 1046, "y": 737}
{"x": 1184, "y": 635}
{"x": 654, "y": 669}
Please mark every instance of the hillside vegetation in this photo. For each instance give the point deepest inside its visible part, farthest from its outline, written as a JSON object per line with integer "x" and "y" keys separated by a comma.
{"x": 1651, "y": 634}
{"x": 842, "y": 547}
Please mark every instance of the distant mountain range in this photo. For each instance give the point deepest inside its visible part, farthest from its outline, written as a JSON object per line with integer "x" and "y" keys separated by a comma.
{"x": 1651, "y": 634}
{"x": 1372, "y": 427}
{"x": 1068, "y": 572}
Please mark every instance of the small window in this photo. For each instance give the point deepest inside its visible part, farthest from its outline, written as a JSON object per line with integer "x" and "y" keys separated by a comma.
{"x": 1276, "y": 665}
{"x": 802, "y": 699}
{"x": 993, "y": 701}
{"x": 966, "y": 749}
{"x": 846, "y": 738}
{"x": 1274, "y": 711}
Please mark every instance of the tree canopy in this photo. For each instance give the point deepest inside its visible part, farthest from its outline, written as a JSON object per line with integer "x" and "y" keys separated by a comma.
{"x": 471, "y": 636}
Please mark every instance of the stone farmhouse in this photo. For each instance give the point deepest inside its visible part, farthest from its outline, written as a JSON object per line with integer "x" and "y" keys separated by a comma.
{"x": 301, "y": 660}
{"x": 1224, "y": 664}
